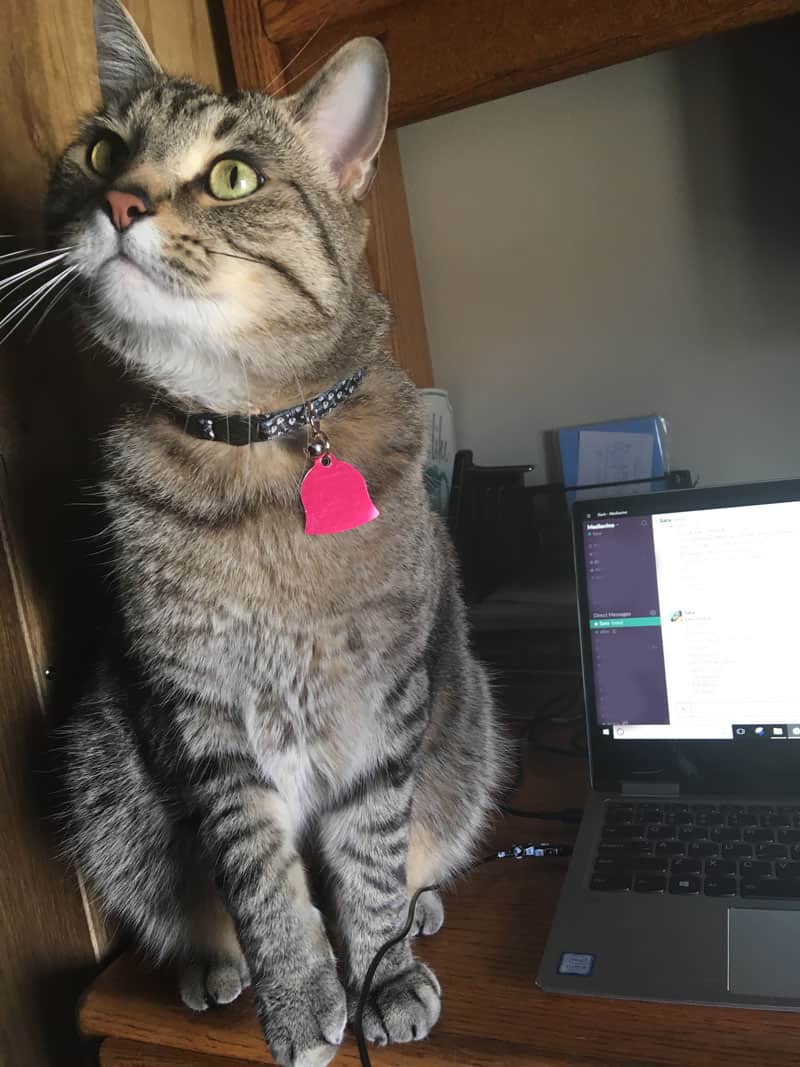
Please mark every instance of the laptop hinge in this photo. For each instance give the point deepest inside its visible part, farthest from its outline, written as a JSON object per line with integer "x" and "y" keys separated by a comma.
{"x": 651, "y": 789}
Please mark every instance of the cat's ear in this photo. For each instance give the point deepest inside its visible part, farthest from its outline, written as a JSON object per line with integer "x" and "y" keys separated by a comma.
{"x": 124, "y": 58}
{"x": 343, "y": 109}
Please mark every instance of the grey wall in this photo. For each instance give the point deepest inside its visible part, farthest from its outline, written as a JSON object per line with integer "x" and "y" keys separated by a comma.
{"x": 620, "y": 243}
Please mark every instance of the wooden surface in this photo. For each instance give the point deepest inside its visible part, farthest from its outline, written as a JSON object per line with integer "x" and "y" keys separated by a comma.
{"x": 45, "y": 945}
{"x": 486, "y": 956}
{"x": 447, "y": 55}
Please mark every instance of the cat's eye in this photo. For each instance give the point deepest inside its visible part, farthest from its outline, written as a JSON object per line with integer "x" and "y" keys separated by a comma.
{"x": 231, "y": 179}
{"x": 105, "y": 154}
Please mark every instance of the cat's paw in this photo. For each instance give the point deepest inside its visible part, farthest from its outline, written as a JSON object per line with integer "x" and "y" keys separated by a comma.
{"x": 202, "y": 985}
{"x": 304, "y": 1022}
{"x": 428, "y": 914}
{"x": 405, "y": 1008}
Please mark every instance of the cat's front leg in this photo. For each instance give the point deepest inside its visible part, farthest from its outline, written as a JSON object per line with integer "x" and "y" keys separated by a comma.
{"x": 366, "y": 848}
{"x": 247, "y": 829}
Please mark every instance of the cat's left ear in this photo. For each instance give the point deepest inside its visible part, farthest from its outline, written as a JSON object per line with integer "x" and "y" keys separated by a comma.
{"x": 124, "y": 59}
{"x": 344, "y": 107}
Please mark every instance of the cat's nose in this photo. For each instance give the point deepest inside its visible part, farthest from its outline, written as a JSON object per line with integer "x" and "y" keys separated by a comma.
{"x": 125, "y": 208}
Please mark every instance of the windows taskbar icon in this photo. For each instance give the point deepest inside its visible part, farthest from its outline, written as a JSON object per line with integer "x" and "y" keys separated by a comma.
{"x": 766, "y": 731}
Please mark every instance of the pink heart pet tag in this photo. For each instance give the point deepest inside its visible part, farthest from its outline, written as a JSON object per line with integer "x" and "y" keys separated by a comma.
{"x": 335, "y": 497}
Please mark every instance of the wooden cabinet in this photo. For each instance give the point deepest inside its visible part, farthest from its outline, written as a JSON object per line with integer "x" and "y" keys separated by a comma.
{"x": 447, "y": 54}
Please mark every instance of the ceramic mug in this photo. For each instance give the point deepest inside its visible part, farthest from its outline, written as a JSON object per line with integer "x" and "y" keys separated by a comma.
{"x": 441, "y": 447}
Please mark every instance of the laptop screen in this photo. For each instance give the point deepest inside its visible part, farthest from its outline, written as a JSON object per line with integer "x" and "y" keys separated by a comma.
{"x": 692, "y": 621}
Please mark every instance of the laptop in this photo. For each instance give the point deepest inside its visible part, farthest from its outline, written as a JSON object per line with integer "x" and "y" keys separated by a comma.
{"x": 684, "y": 885}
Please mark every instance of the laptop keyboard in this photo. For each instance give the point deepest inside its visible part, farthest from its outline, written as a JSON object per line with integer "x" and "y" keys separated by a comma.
{"x": 724, "y": 850}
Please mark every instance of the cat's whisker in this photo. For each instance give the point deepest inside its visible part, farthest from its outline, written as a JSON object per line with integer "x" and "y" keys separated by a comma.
{"x": 298, "y": 53}
{"x": 234, "y": 255}
{"x": 70, "y": 278}
{"x": 17, "y": 315}
{"x": 30, "y": 271}
{"x": 29, "y": 253}
{"x": 309, "y": 66}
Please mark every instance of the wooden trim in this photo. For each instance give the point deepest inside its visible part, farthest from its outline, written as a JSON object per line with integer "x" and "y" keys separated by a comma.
{"x": 393, "y": 264}
{"x": 257, "y": 62}
{"x": 285, "y": 19}
{"x": 446, "y": 56}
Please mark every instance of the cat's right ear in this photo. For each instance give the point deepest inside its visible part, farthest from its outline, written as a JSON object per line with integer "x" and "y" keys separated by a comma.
{"x": 124, "y": 59}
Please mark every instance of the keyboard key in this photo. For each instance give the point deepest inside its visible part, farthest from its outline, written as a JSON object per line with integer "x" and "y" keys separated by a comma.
{"x": 789, "y": 837}
{"x": 693, "y": 833}
{"x": 759, "y": 833}
{"x": 725, "y": 833}
{"x": 734, "y": 850}
{"x": 755, "y": 868}
{"x": 650, "y": 813}
{"x": 650, "y": 883}
{"x": 627, "y": 865}
{"x": 772, "y": 852}
{"x": 659, "y": 833}
{"x": 716, "y": 869}
{"x": 720, "y": 887}
{"x": 772, "y": 888}
{"x": 617, "y": 883}
{"x": 648, "y": 864}
{"x": 624, "y": 848}
{"x": 682, "y": 867}
{"x": 743, "y": 820}
{"x": 703, "y": 848}
{"x": 635, "y": 832}
{"x": 762, "y": 809}
{"x": 776, "y": 820}
{"x": 685, "y": 886}
{"x": 787, "y": 869}
{"x": 670, "y": 848}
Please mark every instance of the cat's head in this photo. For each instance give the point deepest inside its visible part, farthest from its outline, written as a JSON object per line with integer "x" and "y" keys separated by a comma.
{"x": 219, "y": 240}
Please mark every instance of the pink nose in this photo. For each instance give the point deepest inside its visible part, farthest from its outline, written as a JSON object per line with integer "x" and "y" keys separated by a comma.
{"x": 125, "y": 208}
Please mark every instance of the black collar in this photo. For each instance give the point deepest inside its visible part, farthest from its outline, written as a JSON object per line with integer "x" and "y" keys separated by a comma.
{"x": 251, "y": 429}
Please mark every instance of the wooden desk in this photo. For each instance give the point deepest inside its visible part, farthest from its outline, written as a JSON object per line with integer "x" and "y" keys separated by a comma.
{"x": 486, "y": 956}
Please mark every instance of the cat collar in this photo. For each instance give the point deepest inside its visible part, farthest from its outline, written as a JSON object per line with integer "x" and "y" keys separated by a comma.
{"x": 252, "y": 429}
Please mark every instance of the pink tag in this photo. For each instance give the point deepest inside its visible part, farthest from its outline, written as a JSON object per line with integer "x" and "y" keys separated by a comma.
{"x": 335, "y": 497}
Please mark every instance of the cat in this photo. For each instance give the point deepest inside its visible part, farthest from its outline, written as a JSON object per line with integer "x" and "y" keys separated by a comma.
{"x": 272, "y": 704}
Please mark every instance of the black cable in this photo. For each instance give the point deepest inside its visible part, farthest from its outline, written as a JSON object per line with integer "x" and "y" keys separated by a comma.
{"x": 533, "y": 850}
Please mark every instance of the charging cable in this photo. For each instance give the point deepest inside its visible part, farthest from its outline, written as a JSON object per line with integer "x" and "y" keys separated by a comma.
{"x": 532, "y": 850}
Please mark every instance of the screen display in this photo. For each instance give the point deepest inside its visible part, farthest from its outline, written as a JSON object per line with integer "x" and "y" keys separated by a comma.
{"x": 692, "y": 619}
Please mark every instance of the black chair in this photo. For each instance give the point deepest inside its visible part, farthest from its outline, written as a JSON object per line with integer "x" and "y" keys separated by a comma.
{"x": 515, "y": 549}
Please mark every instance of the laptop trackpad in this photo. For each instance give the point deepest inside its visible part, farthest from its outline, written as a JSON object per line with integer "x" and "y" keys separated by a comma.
{"x": 764, "y": 952}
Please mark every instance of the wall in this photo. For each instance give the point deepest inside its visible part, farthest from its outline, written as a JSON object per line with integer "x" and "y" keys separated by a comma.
{"x": 623, "y": 242}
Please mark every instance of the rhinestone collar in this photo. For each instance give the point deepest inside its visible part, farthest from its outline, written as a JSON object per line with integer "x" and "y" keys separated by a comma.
{"x": 252, "y": 429}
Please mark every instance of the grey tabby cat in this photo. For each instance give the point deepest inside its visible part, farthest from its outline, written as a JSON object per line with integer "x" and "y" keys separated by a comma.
{"x": 274, "y": 704}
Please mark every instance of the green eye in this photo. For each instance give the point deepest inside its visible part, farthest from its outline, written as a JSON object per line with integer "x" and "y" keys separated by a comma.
{"x": 105, "y": 154}
{"x": 231, "y": 179}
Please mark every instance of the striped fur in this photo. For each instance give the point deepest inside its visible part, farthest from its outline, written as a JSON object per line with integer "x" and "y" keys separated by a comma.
{"x": 273, "y": 707}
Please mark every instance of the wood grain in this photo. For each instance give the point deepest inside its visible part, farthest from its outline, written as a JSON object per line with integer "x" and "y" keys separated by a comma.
{"x": 45, "y": 945}
{"x": 283, "y": 19}
{"x": 257, "y": 61}
{"x": 116, "y": 1053}
{"x": 486, "y": 956}
{"x": 446, "y": 56}
{"x": 393, "y": 264}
